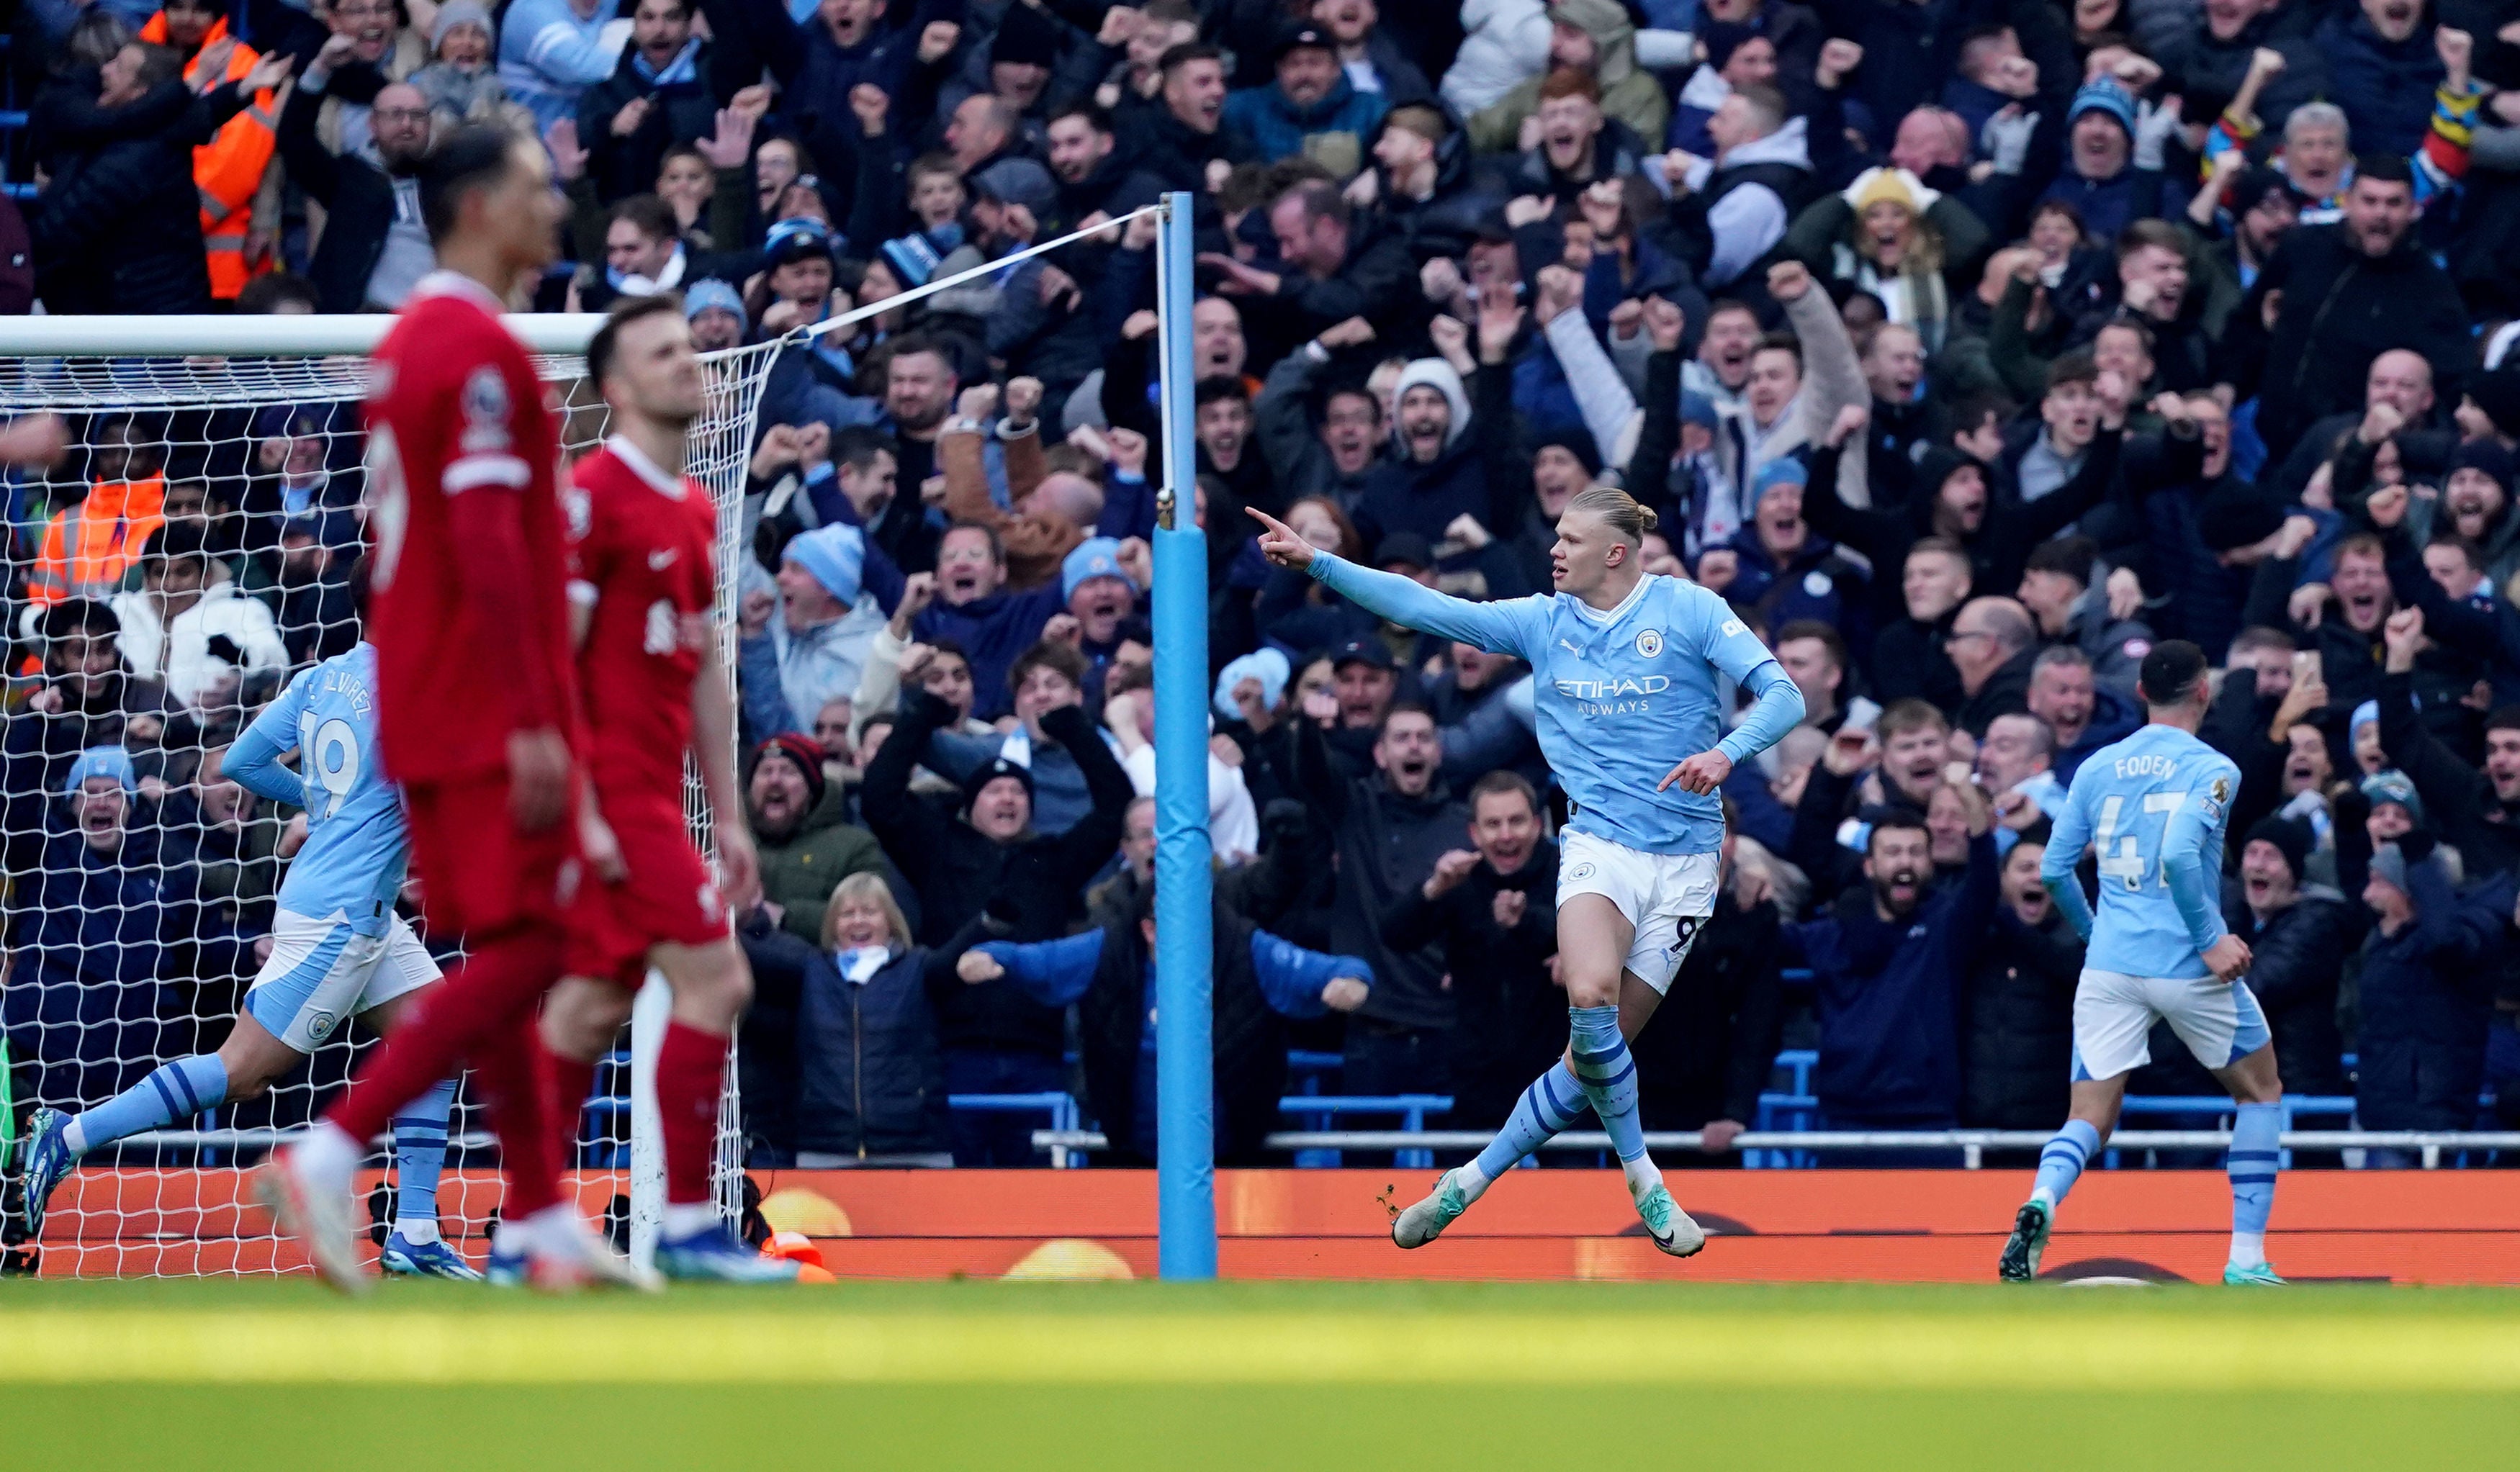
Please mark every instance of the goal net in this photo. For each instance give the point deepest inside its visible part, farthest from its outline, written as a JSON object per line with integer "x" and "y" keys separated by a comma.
{"x": 136, "y": 922}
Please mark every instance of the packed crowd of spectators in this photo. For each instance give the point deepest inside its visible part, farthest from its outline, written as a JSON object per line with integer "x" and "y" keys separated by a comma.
{"x": 1966, "y": 347}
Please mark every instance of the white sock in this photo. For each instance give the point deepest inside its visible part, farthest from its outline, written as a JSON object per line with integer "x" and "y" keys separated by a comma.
{"x": 690, "y": 1218}
{"x": 1473, "y": 1181}
{"x": 2248, "y": 1248}
{"x": 2046, "y": 1198}
{"x": 328, "y": 1156}
{"x": 418, "y": 1232}
{"x": 74, "y": 1137}
{"x": 1643, "y": 1175}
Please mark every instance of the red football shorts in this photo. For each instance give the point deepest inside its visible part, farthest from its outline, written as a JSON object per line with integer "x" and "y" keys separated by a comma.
{"x": 667, "y": 898}
{"x": 479, "y": 875}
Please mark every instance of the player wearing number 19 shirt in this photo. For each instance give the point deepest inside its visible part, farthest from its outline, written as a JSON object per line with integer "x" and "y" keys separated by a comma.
{"x": 477, "y": 707}
{"x": 2154, "y": 809}
{"x": 338, "y": 950}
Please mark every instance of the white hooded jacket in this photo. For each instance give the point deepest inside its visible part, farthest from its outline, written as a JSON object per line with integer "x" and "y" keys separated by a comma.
{"x": 181, "y": 656}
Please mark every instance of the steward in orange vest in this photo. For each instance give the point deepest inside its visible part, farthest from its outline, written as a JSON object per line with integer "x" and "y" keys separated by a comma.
{"x": 89, "y": 547}
{"x": 228, "y": 169}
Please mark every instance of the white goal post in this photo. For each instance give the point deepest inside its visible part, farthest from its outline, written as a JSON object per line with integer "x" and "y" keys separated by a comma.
{"x": 256, "y": 419}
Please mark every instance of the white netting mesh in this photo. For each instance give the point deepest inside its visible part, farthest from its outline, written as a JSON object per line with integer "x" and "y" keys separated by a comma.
{"x": 129, "y": 947}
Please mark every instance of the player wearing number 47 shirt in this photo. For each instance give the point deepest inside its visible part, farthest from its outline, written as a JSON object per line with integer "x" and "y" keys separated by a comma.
{"x": 478, "y": 713}
{"x": 643, "y": 586}
{"x": 338, "y": 950}
{"x": 2154, "y": 809}
{"x": 1627, "y": 669}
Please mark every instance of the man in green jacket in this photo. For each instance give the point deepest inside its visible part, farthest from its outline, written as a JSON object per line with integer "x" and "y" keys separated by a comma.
{"x": 806, "y": 845}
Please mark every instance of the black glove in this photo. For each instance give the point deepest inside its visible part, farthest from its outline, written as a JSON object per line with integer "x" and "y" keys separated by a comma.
{"x": 2416, "y": 845}
{"x": 1284, "y": 820}
{"x": 1068, "y": 725}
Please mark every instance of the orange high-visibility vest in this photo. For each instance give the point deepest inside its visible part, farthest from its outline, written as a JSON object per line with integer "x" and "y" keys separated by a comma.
{"x": 89, "y": 547}
{"x": 228, "y": 169}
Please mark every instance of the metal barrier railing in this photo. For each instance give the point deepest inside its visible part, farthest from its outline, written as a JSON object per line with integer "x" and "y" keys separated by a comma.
{"x": 1969, "y": 1146}
{"x": 1061, "y": 1106}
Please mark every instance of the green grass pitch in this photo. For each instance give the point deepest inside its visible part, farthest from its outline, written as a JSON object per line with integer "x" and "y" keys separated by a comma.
{"x": 282, "y": 1375}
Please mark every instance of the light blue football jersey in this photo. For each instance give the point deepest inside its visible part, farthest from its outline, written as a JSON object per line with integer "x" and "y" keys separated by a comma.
{"x": 357, "y": 844}
{"x": 2155, "y": 806}
{"x": 1622, "y": 696}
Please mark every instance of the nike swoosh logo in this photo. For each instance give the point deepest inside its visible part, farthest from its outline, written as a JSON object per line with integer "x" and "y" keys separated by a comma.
{"x": 658, "y": 562}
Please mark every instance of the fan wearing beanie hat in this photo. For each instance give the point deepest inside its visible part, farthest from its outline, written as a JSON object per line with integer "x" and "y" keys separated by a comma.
{"x": 1563, "y": 461}
{"x": 2299, "y": 933}
{"x": 2476, "y": 493}
{"x": 2099, "y": 178}
{"x": 715, "y": 311}
{"x": 997, "y": 797}
{"x": 1022, "y": 55}
{"x": 1103, "y": 597}
{"x": 799, "y": 255}
{"x": 2269, "y": 885}
{"x": 2396, "y": 810}
{"x": 805, "y": 844}
{"x": 815, "y": 646}
{"x": 1777, "y": 510}
{"x": 1776, "y": 565}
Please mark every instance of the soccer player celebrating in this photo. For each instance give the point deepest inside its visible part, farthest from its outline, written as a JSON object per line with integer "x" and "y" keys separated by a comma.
{"x": 1626, "y": 666}
{"x": 2155, "y": 806}
{"x": 338, "y": 950}
{"x": 643, "y": 584}
{"x": 478, "y": 709}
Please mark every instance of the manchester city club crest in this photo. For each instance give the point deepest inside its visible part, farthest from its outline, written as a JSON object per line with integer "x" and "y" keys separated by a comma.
{"x": 319, "y": 1025}
{"x": 1650, "y": 643}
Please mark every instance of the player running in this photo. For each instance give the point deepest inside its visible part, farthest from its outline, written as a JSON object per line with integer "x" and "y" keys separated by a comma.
{"x": 477, "y": 709}
{"x": 1626, "y": 668}
{"x": 642, "y": 585}
{"x": 2155, "y": 806}
{"x": 338, "y": 950}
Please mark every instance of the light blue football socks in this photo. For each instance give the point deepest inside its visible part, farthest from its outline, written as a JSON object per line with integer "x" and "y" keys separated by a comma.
{"x": 173, "y": 1091}
{"x": 420, "y": 1158}
{"x": 1552, "y": 1104}
{"x": 2062, "y": 1161}
{"x": 1609, "y": 1076}
{"x": 2256, "y": 1136}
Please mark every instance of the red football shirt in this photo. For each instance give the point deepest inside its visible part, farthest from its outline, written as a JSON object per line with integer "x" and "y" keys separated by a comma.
{"x": 457, "y": 411}
{"x": 645, "y": 558}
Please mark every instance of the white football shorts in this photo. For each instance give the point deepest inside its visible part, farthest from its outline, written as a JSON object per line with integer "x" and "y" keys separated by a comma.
{"x": 2221, "y": 1022}
{"x": 322, "y": 971}
{"x": 1667, "y": 897}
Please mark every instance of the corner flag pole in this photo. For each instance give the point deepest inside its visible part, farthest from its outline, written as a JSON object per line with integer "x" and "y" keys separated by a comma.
{"x": 1185, "y": 1086}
